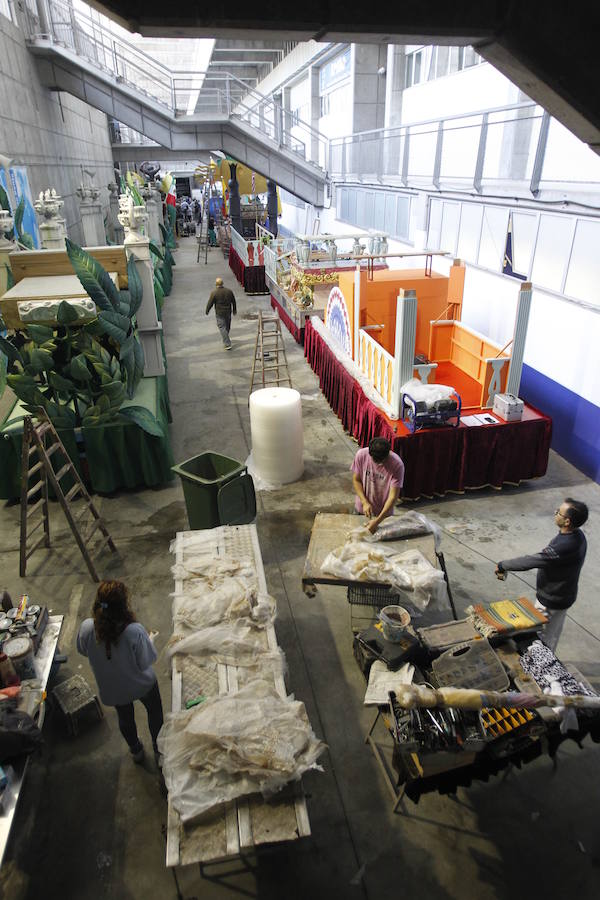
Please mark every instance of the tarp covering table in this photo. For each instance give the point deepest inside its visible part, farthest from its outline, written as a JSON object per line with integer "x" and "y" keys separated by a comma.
{"x": 118, "y": 456}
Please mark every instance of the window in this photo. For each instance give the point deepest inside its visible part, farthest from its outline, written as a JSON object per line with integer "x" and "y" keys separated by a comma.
{"x": 583, "y": 276}
{"x": 493, "y": 238}
{"x": 387, "y": 211}
{"x": 470, "y": 231}
{"x": 324, "y": 104}
{"x": 449, "y": 231}
{"x": 414, "y": 67}
{"x": 5, "y": 9}
{"x": 552, "y": 251}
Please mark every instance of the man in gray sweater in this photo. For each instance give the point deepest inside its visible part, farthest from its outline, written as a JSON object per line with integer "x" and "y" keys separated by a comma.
{"x": 558, "y": 565}
{"x": 224, "y": 303}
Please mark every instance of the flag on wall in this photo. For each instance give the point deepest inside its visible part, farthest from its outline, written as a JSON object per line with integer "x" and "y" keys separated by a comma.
{"x": 507, "y": 262}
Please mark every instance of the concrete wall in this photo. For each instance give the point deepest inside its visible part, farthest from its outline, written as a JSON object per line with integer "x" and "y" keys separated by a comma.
{"x": 53, "y": 134}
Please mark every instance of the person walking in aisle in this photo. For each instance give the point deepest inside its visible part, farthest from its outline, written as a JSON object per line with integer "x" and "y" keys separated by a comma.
{"x": 223, "y": 301}
{"x": 121, "y": 652}
{"x": 558, "y": 565}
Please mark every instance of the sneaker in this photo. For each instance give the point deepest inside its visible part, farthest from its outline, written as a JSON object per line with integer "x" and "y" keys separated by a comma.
{"x": 137, "y": 755}
{"x": 228, "y": 346}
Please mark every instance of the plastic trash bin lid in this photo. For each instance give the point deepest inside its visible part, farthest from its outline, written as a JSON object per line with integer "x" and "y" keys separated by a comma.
{"x": 236, "y": 501}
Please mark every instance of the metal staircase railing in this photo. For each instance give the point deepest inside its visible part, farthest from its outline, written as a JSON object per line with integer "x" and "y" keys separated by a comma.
{"x": 183, "y": 95}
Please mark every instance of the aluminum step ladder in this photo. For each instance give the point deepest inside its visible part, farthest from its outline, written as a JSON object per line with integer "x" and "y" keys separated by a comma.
{"x": 269, "y": 352}
{"x": 87, "y": 524}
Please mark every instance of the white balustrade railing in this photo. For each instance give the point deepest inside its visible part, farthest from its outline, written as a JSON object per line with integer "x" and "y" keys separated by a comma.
{"x": 271, "y": 264}
{"x": 377, "y": 365}
{"x": 239, "y": 245}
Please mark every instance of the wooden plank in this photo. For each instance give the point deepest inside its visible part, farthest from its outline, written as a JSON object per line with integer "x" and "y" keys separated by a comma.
{"x": 330, "y": 531}
{"x": 41, "y": 263}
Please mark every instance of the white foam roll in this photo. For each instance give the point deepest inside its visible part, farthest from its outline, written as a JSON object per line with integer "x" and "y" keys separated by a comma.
{"x": 277, "y": 438}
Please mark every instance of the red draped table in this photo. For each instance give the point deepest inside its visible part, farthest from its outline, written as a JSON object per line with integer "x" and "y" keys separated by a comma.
{"x": 236, "y": 264}
{"x": 437, "y": 460}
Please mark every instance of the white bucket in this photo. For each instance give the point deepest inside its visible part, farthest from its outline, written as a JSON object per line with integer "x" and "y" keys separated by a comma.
{"x": 394, "y": 620}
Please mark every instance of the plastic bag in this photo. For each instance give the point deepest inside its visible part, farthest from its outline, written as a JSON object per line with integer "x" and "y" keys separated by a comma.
{"x": 397, "y": 527}
{"x": 408, "y": 571}
{"x": 239, "y": 743}
{"x": 231, "y": 643}
{"x": 229, "y": 601}
{"x": 428, "y": 393}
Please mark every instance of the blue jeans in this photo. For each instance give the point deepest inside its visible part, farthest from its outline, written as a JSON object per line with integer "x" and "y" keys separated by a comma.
{"x": 126, "y": 716}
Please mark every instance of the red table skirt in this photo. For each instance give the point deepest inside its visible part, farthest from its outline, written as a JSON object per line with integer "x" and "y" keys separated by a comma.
{"x": 297, "y": 333}
{"x": 437, "y": 460}
{"x": 236, "y": 265}
{"x": 254, "y": 280}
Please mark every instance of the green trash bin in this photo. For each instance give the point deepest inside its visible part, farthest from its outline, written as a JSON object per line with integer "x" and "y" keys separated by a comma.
{"x": 217, "y": 491}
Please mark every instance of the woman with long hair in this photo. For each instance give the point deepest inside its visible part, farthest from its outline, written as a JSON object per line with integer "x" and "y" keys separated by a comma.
{"x": 121, "y": 652}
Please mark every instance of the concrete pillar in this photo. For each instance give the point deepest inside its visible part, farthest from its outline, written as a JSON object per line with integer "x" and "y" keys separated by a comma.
{"x": 513, "y": 382}
{"x": 272, "y": 207}
{"x": 235, "y": 204}
{"x": 288, "y": 124}
{"x": 137, "y": 246}
{"x": 368, "y": 105}
{"x": 156, "y": 195}
{"x": 315, "y": 114}
{"x": 394, "y": 84}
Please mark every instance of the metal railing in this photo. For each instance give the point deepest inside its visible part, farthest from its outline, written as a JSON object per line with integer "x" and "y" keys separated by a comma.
{"x": 513, "y": 144}
{"x": 180, "y": 94}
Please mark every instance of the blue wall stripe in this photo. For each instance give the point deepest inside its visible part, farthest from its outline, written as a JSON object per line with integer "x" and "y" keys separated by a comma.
{"x": 576, "y": 422}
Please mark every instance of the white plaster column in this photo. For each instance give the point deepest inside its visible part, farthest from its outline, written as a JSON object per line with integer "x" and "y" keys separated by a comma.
{"x": 137, "y": 246}
{"x": 404, "y": 347}
{"x": 48, "y": 206}
{"x": 151, "y": 209}
{"x": 115, "y": 229}
{"x": 356, "y": 313}
{"x": 513, "y": 382}
{"x": 92, "y": 218}
{"x": 159, "y": 205}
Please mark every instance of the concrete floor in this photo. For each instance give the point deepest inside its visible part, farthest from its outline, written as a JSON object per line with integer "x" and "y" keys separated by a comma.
{"x": 90, "y": 822}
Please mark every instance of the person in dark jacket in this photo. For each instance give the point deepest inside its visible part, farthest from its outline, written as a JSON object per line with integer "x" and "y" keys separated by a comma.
{"x": 223, "y": 301}
{"x": 558, "y": 565}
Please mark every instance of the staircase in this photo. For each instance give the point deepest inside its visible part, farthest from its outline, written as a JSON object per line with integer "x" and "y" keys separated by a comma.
{"x": 83, "y": 59}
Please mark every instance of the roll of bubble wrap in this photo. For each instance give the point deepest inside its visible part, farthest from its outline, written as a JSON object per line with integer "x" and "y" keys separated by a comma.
{"x": 277, "y": 438}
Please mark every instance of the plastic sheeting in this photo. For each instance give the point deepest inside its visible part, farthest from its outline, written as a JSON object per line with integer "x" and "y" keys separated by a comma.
{"x": 248, "y": 741}
{"x": 426, "y": 393}
{"x": 230, "y": 643}
{"x": 231, "y": 600}
{"x": 395, "y": 528}
{"x": 407, "y": 572}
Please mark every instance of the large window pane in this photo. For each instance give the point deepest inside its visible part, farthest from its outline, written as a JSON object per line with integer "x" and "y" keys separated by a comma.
{"x": 390, "y": 213}
{"x": 435, "y": 225}
{"x": 379, "y": 219}
{"x": 583, "y": 277}
{"x": 449, "y": 232}
{"x": 524, "y": 229}
{"x": 403, "y": 217}
{"x": 551, "y": 251}
{"x": 470, "y": 229}
{"x": 360, "y": 209}
{"x": 493, "y": 238}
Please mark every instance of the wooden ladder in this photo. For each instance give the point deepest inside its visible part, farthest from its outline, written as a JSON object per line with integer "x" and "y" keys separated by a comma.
{"x": 34, "y": 441}
{"x": 269, "y": 351}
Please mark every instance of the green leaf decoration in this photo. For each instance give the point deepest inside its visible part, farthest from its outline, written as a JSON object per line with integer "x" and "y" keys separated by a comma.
{"x": 79, "y": 368}
{"x": 39, "y": 334}
{"x": 19, "y": 217}
{"x": 103, "y": 403}
{"x": 115, "y": 392}
{"x": 137, "y": 197}
{"x": 26, "y": 240}
{"x": 134, "y": 285}
{"x": 158, "y": 293}
{"x": 41, "y": 360}
{"x": 10, "y": 351}
{"x": 143, "y": 419}
{"x": 66, "y": 314}
{"x": 126, "y": 349}
{"x": 115, "y": 325}
{"x": 93, "y": 277}
{"x": 4, "y": 201}
{"x": 61, "y": 384}
{"x": 154, "y": 248}
{"x": 128, "y": 364}
{"x": 135, "y": 368}
{"x": 3, "y": 372}
{"x": 10, "y": 278}
{"x": 115, "y": 368}
{"x": 94, "y": 328}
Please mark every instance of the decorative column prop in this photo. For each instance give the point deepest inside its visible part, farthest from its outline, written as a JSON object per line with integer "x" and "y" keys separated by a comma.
{"x": 92, "y": 219}
{"x": 404, "y": 347}
{"x": 159, "y": 205}
{"x": 7, "y": 245}
{"x": 513, "y": 382}
{"x": 356, "y": 312}
{"x": 235, "y": 205}
{"x": 115, "y": 229}
{"x": 52, "y": 226}
{"x": 152, "y": 210}
{"x": 134, "y": 220}
{"x": 272, "y": 207}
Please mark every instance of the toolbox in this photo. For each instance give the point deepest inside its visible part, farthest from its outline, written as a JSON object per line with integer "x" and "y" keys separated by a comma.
{"x": 508, "y": 407}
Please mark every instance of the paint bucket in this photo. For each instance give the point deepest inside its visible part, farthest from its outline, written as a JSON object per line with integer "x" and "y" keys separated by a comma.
{"x": 394, "y": 620}
{"x": 20, "y": 652}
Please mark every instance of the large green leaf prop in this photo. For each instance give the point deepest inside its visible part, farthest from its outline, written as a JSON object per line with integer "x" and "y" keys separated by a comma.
{"x": 143, "y": 419}
{"x": 134, "y": 285}
{"x": 22, "y": 236}
{"x": 94, "y": 279}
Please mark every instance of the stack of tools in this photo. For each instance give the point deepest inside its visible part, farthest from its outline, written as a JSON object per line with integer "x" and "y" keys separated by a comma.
{"x": 433, "y": 730}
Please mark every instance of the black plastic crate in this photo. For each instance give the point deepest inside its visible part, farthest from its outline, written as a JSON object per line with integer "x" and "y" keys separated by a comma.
{"x": 372, "y": 595}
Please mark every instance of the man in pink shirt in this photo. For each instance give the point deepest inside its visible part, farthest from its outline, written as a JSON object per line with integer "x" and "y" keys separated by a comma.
{"x": 377, "y": 477}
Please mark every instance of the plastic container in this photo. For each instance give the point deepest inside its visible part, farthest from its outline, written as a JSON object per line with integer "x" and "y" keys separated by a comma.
{"x": 394, "y": 620}
{"x": 208, "y": 505}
